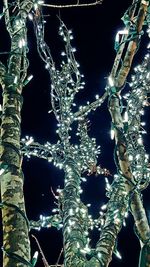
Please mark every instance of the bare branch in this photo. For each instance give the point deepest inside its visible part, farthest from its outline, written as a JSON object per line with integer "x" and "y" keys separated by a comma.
{"x": 57, "y": 264}
{"x": 74, "y": 5}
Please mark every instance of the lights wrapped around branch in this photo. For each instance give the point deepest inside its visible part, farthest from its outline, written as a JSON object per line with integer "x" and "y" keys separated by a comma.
{"x": 75, "y": 159}
{"x": 137, "y": 101}
{"x": 46, "y": 222}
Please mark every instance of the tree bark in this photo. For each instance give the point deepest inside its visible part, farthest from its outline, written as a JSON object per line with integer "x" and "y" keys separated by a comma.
{"x": 15, "y": 228}
{"x": 136, "y": 204}
{"x": 16, "y": 244}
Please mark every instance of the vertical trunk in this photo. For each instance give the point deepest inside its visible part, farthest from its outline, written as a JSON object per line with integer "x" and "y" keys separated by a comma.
{"x": 15, "y": 224}
{"x": 73, "y": 219}
{"x": 136, "y": 205}
{"x": 15, "y": 229}
{"x": 132, "y": 46}
{"x": 116, "y": 210}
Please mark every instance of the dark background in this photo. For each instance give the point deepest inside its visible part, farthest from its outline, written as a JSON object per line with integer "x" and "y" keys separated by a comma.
{"x": 94, "y": 30}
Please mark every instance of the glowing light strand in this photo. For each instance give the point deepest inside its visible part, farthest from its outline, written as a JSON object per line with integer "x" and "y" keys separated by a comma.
{"x": 137, "y": 102}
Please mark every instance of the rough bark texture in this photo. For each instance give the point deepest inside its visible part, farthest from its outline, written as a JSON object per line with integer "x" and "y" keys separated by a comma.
{"x": 140, "y": 218}
{"x": 132, "y": 47}
{"x": 136, "y": 204}
{"x": 15, "y": 225}
{"x": 15, "y": 229}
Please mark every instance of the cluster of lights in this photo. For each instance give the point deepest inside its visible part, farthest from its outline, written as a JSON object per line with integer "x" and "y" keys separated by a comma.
{"x": 17, "y": 29}
{"x": 131, "y": 131}
{"x": 137, "y": 100}
{"x": 50, "y": 152}
{"x": 77, "y": 159}
{"x": 46, "y": 222}
{"x": 64, "y": 85}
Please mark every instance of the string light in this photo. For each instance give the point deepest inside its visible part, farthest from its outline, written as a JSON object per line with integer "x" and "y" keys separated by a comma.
{"x": 35, "y": 258}
{"x": 111, "y": 81}
{"x": 120, "y": 33}
{"x": 136, "y": 101}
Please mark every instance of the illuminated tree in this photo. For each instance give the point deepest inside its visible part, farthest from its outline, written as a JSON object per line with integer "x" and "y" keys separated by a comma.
{"x": 13, "y": 78}
{"x": 77, "y": 160}
{"x": 124, "y": 191}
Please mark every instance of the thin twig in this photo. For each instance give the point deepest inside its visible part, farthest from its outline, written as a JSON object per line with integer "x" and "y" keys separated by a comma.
{"x": 57, "y": 263}
{"x": 74, "y": 5}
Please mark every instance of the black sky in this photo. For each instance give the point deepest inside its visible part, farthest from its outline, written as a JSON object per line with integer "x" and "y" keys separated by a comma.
{"x": 94, "y": 30}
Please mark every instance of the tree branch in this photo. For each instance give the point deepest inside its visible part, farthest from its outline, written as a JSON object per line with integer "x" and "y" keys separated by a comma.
{"x": 132, "y": 47}
{"x": 47, "y": 222}
{"x": 7, "y": 17}
{"x": 50, "y": 152}
{"x": 2, "y": 74}
{"x": 74, "y": 5}
{"x": 115, "y": 111}
{"x": 83, "y": 111}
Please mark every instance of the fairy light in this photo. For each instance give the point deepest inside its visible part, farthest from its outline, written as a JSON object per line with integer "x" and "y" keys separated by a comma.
{"x": 35, "y": 6}
{"x": 2, "y": 171}
{"x": 118, "y": 255}
{"x": 112, "y": 134}
{"x": 35, "y": 258}
{"x": 22, "y": 43}
{"x": 110, "y": 81}
{"x": 126, "y": 116}
{"x": 40, "y": 2}
{"x": 104, "y": 207}
{"x": 134, "y": 109}
{"x": 1, "y": 15}
{"x": 30, "y": 16}
{"x": 120, "y": 33}
{"x": 108, "y": 186}
{"x": 29, "y": 78}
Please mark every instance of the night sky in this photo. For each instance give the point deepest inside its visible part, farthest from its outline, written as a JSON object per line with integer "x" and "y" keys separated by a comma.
{"x": 94, "y": 30}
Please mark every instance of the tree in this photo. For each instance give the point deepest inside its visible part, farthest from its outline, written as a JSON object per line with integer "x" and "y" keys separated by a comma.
{"x": 80, "y": 159}
{"x": 13, "y": 78}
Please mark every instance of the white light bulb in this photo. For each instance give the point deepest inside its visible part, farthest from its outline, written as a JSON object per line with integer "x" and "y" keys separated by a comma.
{"x": 126, "y": 117}
{"x": 2, "y": 171}
{"x": 111, "y": 81}
{"x": 112, "y": 134}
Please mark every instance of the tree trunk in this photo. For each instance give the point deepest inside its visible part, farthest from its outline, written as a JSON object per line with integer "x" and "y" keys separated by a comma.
{"x": 15, "y": 224}
{"x": 15, "y": 227}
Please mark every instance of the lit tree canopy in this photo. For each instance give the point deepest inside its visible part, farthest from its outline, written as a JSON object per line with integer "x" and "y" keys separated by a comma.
{"x": 81, "y": 159}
